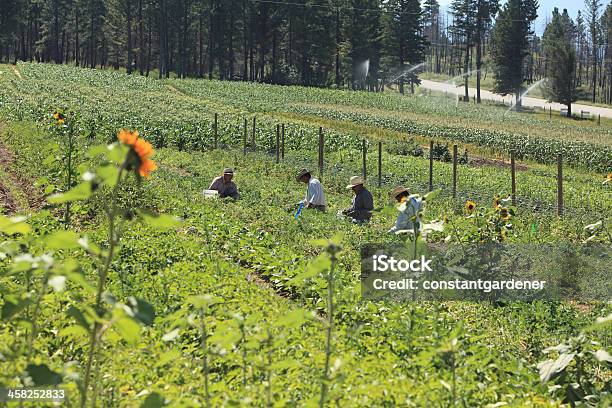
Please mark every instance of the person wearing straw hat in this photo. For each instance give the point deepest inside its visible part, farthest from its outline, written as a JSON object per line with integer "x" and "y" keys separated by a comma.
{"x": 315, "y": 198}
{"x": 224, "y": 184}
{"x": 409, "y": 207}
{"x": 363, "y": 203}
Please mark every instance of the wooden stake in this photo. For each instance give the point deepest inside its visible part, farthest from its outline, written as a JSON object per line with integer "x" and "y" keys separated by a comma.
{"x": 560, "y": 185}
{"x": 216, "y": 126}
{"x": 431, "y": 147}
{"x": 321, "y": 143}
{"x": 277, "y": 144}
{"x": 513, "y": 172}
{"x": 253, "y": 136}
{"x": 283, "y": 142}
{"x": 244, "y": 136}
{"x": 363, "y": 149}
{"x": 379, "y": 164}
{"x": 454, "y": 171}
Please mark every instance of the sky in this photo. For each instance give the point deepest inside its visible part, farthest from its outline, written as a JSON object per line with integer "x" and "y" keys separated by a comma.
{"x": 546, "y": 8}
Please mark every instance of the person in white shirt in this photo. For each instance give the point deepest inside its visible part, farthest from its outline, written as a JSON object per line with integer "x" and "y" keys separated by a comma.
{"x": 315, "y": 198}
{"x": 409, "y": 214}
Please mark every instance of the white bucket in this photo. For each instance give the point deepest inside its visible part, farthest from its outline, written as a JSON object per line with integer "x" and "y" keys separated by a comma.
{"x": 210, "y": 193}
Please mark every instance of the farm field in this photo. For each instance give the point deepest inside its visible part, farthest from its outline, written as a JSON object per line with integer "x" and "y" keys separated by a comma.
{"x": 228, "y": 304}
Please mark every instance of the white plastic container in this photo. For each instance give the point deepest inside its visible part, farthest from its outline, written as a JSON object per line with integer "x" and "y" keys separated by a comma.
{"x": 210, "y": 193}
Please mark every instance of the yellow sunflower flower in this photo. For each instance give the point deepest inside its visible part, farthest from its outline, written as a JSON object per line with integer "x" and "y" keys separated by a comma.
{"x": 496, "y": 201}
{"x": 504, "y": 214}
{"x": 470, "y": 206}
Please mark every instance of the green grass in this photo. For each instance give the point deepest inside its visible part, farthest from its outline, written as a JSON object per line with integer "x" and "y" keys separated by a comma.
{"x": 247, "y": 253}
{"x": 190, "y": 104}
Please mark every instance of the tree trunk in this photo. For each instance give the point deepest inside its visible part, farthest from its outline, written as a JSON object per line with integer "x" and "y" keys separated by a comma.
{"x": 274, "y": 35}
{"x": 129, "y": 36}
{"x": 91, "y": 38}
{"x": 478, "y": 66}
{"x": 245, "y": 44}
{"x": 338, "y": 78}
{"x": 230, "y": 56}
{"x": 251, "y": 45}
{"x": 200, "y": 45}
{"x": 149, "y": 42}
{"x": 141, "y": 46}
{"x": 518, "y": 104}
{"x": 466, "y": 69}
{"x": 162, "y": 34}
{"x": 57, "y": 56}
{"x": 211, "y": 59}
{"x": 594, "y": 69}
{"x": 183, "y": 47}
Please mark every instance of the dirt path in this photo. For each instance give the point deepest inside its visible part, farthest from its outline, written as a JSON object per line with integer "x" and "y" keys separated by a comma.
{"x": 17, "y": 193}
{"x": 527, "y": 101}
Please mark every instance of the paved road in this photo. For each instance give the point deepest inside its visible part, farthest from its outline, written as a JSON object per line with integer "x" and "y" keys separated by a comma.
{"x": 527, "y": 101}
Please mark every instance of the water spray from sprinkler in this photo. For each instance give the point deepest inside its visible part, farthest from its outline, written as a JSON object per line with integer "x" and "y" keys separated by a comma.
{"x": 535, "y": 84}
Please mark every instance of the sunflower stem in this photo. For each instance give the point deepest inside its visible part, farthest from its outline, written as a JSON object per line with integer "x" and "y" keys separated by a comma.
{"x": 103, "y": 272}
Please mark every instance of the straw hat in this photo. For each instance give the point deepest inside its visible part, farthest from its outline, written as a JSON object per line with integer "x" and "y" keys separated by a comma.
{"x": 228, "y": 170}
{"x": 354, "y": 181}
{"x": 397, "y": 191}
{"x": 302, "y": 173}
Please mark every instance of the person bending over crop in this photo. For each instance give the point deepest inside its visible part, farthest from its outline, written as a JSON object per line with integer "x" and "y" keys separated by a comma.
{"x": 408, "y": 212}
{"x": 363, "y": 203}
{"x": 315, "y": 198}
{"x": 224, "y": 184}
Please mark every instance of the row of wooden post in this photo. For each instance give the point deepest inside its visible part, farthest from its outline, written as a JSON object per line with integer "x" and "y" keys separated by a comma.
{"x": 280, "y": 154}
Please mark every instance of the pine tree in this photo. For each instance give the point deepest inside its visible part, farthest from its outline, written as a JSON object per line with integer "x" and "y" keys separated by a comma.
{"x": 510, "y": 45}
{"x": 593, "y": 14}
{"x": 464, "y": 26}
{"x": 485, "y": 12}
{"x": 362, "y": 31}
{"x": 607, "y": 31}
{"x": 431, "y": 31}
{"x": 560, "y": 55}
{"x": 580, "y": 45}
{"x": 11, "y": 12}
{"x": 404, "y": 40}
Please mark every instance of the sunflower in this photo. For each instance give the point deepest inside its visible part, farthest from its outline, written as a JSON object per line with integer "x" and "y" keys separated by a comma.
{"x": 608, "y": 179}
{"x": 470, "y": 206}
{"x": 59, "y": 118}
{"x": 504, "y": 214}
{"x": 142, "y": 149}
{"x": 127, "y": 137}
{"x": 496, "y": 201}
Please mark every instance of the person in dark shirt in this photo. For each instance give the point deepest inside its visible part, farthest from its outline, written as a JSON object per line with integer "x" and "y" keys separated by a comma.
{"x": 363, "y": 203}
{"x": 224, "y": 185}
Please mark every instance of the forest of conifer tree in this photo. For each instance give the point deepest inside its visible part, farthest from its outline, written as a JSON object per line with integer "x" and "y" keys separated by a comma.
{"x": 354, "y": 44}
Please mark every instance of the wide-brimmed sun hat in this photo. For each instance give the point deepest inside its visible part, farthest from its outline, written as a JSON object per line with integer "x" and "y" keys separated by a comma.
{"x": 302, "y": 173}
{"x": 228, "y": 170}
{"x": 355, "y": 181}
{"x": 397, "y": 191}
